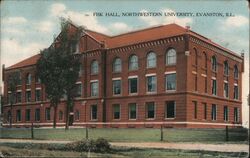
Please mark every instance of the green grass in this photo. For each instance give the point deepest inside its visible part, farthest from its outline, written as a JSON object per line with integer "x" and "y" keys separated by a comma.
{"x": 131, "y": 135}
{"x": 56, "y": 150}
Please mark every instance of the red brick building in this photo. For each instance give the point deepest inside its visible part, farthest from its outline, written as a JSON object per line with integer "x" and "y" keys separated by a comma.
{"x": 165, "y": 75}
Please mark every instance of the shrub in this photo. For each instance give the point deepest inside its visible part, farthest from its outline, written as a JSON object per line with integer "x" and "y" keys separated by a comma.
{"x": 100, "y": 145}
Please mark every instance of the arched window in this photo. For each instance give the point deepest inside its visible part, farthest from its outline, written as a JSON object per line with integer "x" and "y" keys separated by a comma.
{"x": 60, "y": 115}
{"x": 214, "y": 63}
{"x": 94, "y": 67}
{"x": 9, "y": 116}
{"x": 151, "y": 60}
{"x": 171, "y": 57}
{"x": 77, "y": 115}
{"x": 117, "y": 65}
{"x": 236, "y": 72}
{"x": 28, "y": 78}
{"x": 226, "y": 69}
{"x": 195, "y": 58}
{"x": 133, "y": 62}
{"x": 204, "y": 60}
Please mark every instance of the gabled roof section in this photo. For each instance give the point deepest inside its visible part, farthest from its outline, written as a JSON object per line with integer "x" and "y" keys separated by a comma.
{"x": 26, "y": 62}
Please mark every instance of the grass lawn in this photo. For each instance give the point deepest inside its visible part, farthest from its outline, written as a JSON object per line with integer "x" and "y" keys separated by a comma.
{"x": 131, "y": 135}
{"x": 45, "y": 150}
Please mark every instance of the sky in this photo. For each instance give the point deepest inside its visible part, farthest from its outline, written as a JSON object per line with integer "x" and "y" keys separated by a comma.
{"x": 30, "y": 26}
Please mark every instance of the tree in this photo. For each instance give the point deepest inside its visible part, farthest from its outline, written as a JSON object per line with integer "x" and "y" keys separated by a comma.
{"x": 58, "y": 69}
{"x": 13, "y": 81}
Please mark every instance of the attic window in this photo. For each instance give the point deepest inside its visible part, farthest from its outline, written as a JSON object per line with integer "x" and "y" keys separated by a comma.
{"x": 74, "y": 47}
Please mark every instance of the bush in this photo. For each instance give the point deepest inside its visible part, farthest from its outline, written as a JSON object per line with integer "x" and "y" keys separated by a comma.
{"x": 100, "y": 145}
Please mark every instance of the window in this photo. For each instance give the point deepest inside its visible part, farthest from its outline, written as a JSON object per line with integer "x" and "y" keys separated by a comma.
{"x": 132, "y": 85}
{"x": 195, "y": 58}
{"x": 47, "y": 114}
{"x": 171, "y": 57}
{"x": 214, "y": 63}
{"x": 170, "y": 109}
{"x": 28, "y": 96}
{"x": 27, "y": 115}
{"x": 37, "y": 115}
{"x": 9, "y": 97}
{"x": 9, "y": 116}
{"x": 60, "y": 115}
{"x": 28, "y": 79}
{"x": 77, "y": 115}
{"x": 18, "y": 115}
{"x": 150, "y": 108}
{"x": 205, "y": 80}
{"x": 226, "y": 69}
{"x": 195, "y": 82}
{"x": 38, "y": 80}
{"x": 236, "y": 114}
{"x": 19, "y": 97}
{"x": 236, "y": 92}
{"x": 204, "y": 60}
{"x": 214, "y": 87}
{"x": 94, "y": 67}
{"x": 116, "y": 111}
{"x": 94, "y": 112}
{"x": 236, "y": 72}
{"x": 225, "y": 89}
{"x": 171, "y": 81}
{"x": 133, "y": 62}
{"x": 225, "y": 113}
{"x": 80, "y": 70}
{"x": 78, "y": 88}
{"x": 151, "y": 83}
{"x": 195, "y": 109}
{"x": 117, "y": 65}
{"x": 38, "y": 94}
{"x": 116, "y": 87}
{"x": 94, "y": 89}
{"x": 214, "y": 112}
{"x": 205, "y": 110}
{"x": 132, "y": 111}
{"x": 74, "y": 47}
{"x": 151, "y": 60}
{"x": 19, "y": 82}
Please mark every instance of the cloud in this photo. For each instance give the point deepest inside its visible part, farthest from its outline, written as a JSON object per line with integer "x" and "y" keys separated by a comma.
{"x": 165, "y": 20}
{"x": 45, "y": 26}
{"x": 119, "y": 27}
{"x": 14, "y": 20}
{"x": 236, "y": 21}
{"x": 10, "y": 31}
{"x": 57, "y": 9}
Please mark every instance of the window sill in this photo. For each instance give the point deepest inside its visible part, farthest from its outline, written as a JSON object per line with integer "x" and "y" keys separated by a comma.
{"x": 116, "y": 119}
{"x": 170, "y": 118}
{"x": 150, "y": 93}
{"x": 132, "y": 119}
{"x": 117, "y": 95}
{"x": 170, "y": 65}
{"x": 94, "y": 120}
{"x": 133, "y": 94}
{"x": 150, "y": 119}
{"x": 170, "y": 91}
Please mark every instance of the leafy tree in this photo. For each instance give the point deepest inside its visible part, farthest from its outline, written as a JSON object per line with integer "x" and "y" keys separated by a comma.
{"x": 58, "y": 69}
{"x": 13, "y": 81}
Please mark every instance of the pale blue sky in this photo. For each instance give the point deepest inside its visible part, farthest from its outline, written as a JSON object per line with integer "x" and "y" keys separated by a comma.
{"x": 28, "y": 26}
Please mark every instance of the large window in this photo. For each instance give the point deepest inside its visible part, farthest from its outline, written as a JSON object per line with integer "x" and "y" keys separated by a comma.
{"x": 28, "y": 79}
{"x": 93, "y": 112}
{"x": 236, "y": 92}
{"x": 37, "y": 115}
{"x": 28, "y": 96}
{"x": 236, "y": 114}
{"x": 38, "y": 94}
{"x": 27, "y": 115}
{"x": 133, "y": 85}
{"x": 205, "y": 110}
{"x": 18, "y": 115}
{"x": 225, "y": 113}
{"x": 80, "y": 70}
{"x": 133, "y": 62}
{"x": 151, "y": 60}
{"x": 226, "y": 68}
{"x": 236, "y": 72}
{"x": 78, "y": 90}
{"x": 170, "y": 109}
{"x": 151, "y": 83}
{"x": 214, "y": 63}
{"x": 94, "y": 67}
{"x": 214, "y": 112}
{"x": 19, "y": 97}
{"x": 171, "y": 57}
{"x": 116, "y": 111}
{"x": 47, "y": 114}
{"x": 195, "y": 109}
{"x": 94, "y": 88}
{"x": 132, "y": 111}
{"x": 117, "y": 65}
{"x": 9, "y": 98}
{"x": 116, "y": 87}
{"x": 226, "y": 89}
{"x": 77, "y": 115}
{"x": 214, "y": 86}
{"x": 150, "y": 109}
{"x": 38, "y": 80}
{"x": 60, "y": 115}
{"x": 171, "y": 81}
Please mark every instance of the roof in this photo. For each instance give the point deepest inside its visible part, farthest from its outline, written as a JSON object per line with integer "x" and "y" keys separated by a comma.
{"x": 143, "y": 35}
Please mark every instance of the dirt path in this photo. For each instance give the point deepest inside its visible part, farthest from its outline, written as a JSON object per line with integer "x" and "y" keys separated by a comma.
{"x": 183, "y": 146}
